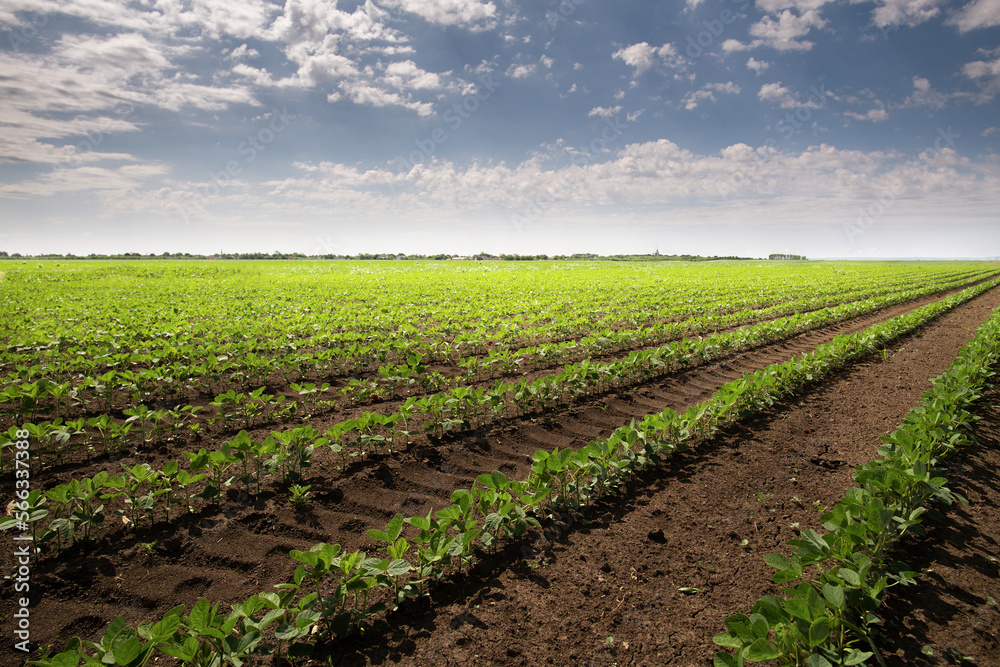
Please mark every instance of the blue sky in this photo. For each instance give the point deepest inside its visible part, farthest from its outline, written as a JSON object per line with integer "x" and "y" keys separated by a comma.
{"x": 848, "y": 128}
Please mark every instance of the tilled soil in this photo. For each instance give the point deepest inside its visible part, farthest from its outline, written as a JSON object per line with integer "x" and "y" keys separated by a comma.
{"x": 642, "y": 579}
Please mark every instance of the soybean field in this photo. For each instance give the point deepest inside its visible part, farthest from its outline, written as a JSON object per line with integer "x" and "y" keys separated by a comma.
{"x": 506, "y": 463}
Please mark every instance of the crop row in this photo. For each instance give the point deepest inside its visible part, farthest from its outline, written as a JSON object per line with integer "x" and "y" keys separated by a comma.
{"x": 332, "y": 593}
{"x": 845, "y": 573}
{"x": 452, "y": 410}
{"x": 171, "y": 372}
{"x": 335, "y": 304}
{"x": 170, "y": 365}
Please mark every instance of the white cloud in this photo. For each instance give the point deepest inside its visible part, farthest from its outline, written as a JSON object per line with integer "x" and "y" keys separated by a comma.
{"x": 707, "y": 94}
{"x": 976, "y": 14}
{"x": 986, "y": 74}
{"x": 874, "y": 115}
{"x": 758, "y": 66}
{"x": 546, "y": 62}
{"x": 466, "y": 13}
{"x": 642, "y": 56}
{"x": 604, "y": 112}
{"x": 130, "y": 51}
{"x": 924, "y": 95}
{"x": 783, "y": 97}
{"x": 904, "y": 12}
{"x": 90, "y": 85}
{"x": 86, "y": 179}
{"x": 784, "y": 33}
{"x": 242, "y": 52}
{"x": 760, "y": 184}
{"x": 407, "y": 76}
{"x": 162, "y": 18}
{"x": 775, "y": 6}
{"x": 520, "y": 71}
{"x": 366, "y": 94}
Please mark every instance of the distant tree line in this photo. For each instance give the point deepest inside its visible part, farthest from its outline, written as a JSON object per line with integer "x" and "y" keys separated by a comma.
{"x": 785, "y": 256}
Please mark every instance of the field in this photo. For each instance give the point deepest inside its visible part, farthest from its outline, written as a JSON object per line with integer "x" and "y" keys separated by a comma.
{"x": 510, "y": 463}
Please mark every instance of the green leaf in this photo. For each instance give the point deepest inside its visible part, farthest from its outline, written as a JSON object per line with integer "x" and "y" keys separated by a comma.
{"x": 723, "y": 660}
{"x": 834, "y": 595}
{"x": 761, "y": 650}
{"x": 398, "y": 568}
{"x": 816, "y": 660}
{"x": 394, "y": 528}
{"x": 728, "y": 639}
{"x": 740, "y": 626}
{"x": 856, "y": 657}
{"x": 818, "y": 632}
{"x": 770, "y": 609}
{"x": 126, "y": 652}
{"x": 850, "y": 576}
{"x": 813, "y": 542}
{"x": 201, "y": 615}
{"x": 759, "y": 626}
{"x": 778, "y": 562}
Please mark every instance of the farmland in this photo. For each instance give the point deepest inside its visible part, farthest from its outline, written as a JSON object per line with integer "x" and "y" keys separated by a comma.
{"x": 433, "y": 463}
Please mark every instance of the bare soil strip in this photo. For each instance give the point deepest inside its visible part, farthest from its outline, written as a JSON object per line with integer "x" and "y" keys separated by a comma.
{"x": 619, "y": 575}
{"x": 951, "y": 616}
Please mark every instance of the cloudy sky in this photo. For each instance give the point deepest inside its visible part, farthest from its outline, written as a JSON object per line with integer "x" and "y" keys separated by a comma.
{"x": 846, "y": 128}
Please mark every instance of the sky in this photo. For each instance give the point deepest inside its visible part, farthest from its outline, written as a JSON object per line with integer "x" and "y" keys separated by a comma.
{"x": 828, "y": 128}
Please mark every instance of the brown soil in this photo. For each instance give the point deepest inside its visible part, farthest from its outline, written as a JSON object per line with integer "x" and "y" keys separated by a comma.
{"x": 614, "y": 571}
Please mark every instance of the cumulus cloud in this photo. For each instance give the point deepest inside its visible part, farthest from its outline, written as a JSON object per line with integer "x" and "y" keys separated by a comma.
{"x": 406, "y": 76}
{"x": 783, "y": 27}
{"x": 786, "y": 99}
{"x": 976, "y": 14}
{"x": 360, "y": 92}
{"x": 924, "y": 95}
{"x": 986, "y": 73}
{"x": 466, "y": 13}
{"x": 758, "y": 66}
{"x": 874, "y": 115}
{"x": 521, "y": 71}
{"x": 904, "y": 12}
{"x": 784, "y": 33}
{"x": 604, "y": 112}
{"x": 784, "y": 185}
{"x": 642, "y": 56}
{"x": 707, "y": 94}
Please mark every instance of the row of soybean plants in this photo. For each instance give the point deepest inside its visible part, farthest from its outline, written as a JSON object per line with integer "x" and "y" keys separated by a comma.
{"x": 166, "y": 362}
{"x": 453, "y": 410}
{"x": 608, "y": 341}
{"x": 136, "y": 376}
{"x": 460, "y": 408}
{"x": 836, "y": 580}
{"x": 333, "y": 593}
{"x": 174, "y": 365}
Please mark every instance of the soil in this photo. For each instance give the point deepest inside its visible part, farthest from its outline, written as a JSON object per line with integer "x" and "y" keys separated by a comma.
{"x": 643, "y": 578}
